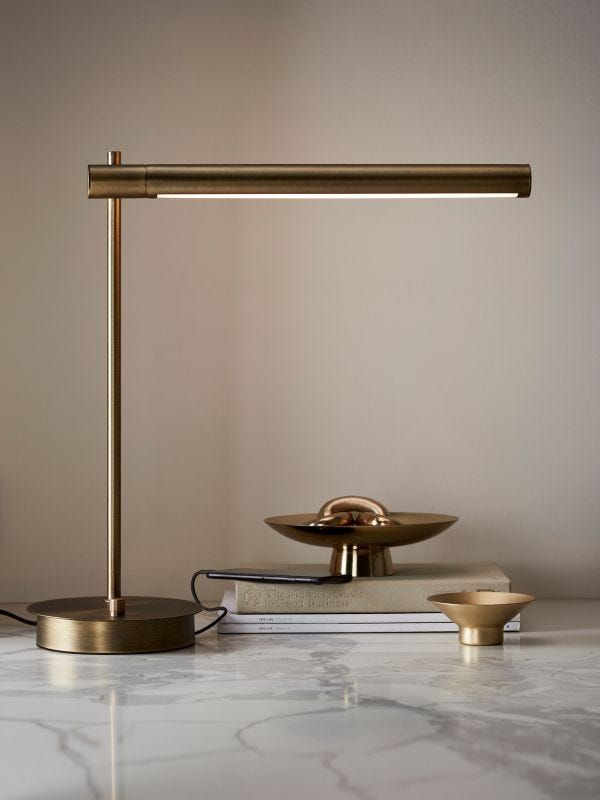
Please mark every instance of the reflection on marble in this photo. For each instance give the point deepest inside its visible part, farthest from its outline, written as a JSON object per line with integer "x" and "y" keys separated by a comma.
{"x": 371, "y": 717}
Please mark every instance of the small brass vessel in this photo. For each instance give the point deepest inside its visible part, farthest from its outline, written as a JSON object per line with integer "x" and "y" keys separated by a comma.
{"x": 360, "y": 532}
{"x": 481, "y": 616}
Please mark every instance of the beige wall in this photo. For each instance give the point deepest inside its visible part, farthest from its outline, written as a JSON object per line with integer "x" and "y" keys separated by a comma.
{"x": 441, "y": 356}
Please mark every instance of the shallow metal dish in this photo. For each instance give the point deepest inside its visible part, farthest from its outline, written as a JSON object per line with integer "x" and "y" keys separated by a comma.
{"x": 361, "y": 550}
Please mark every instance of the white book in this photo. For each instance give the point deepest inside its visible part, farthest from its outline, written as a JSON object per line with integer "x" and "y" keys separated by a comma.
{"x": 407, "y": 622}
{"x": 406, "y": 590}
{"x": 352, "y": 627}
{"x": 313, "y": 619}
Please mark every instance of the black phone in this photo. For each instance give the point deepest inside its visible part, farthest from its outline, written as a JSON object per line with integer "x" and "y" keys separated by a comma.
{"x": 272, "y": 576}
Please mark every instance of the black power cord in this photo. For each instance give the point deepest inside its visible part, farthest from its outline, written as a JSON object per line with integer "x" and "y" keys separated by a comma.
{"x": 194, "y": 595}
{"x": 203, "y": 607}
{"x": 17, "y": 617}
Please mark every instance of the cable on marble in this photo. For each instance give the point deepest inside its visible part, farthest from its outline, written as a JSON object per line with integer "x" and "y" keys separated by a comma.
{"x": 195, "y": 596}
{"x": 203, "y": 607}
{"x": 17, "y": 617}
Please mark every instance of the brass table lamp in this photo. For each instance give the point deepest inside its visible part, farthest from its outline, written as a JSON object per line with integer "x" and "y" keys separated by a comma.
{"x": 120, "y": 624}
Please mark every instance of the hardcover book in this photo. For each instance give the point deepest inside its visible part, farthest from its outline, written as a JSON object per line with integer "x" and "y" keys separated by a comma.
{"x": 406, "y": 590}
{"x": 409, "y": 622}
{"x": 352, "y": 627}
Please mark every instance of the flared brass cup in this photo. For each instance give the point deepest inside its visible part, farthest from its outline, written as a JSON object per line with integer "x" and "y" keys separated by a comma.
{"x": 481, "y": 616}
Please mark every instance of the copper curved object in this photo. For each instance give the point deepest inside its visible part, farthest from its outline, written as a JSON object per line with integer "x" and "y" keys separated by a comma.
{"x": 352, "y": 503}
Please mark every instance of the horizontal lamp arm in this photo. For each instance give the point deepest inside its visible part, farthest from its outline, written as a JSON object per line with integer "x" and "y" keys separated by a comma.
{"x": 151, "y": 181}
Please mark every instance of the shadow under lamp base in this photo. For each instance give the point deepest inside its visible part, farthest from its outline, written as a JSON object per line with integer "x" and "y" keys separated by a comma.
{"x": 85, "y": 625}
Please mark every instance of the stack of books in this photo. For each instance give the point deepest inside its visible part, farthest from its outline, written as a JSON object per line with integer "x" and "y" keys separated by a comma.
{"x": 395, "y": 604}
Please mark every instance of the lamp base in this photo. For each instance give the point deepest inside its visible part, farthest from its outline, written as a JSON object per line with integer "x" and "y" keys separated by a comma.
{"x": 84, "y": 625}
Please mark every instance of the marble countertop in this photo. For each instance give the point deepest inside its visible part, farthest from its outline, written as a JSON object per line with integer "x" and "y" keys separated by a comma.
{"x": 371, "y": 716}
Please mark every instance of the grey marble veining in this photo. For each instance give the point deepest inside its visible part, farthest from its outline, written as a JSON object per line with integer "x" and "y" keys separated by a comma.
{"x": 371, "y": 717}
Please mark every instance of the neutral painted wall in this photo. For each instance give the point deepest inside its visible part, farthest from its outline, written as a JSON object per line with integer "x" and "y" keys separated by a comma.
{"x": 440, "y": 356}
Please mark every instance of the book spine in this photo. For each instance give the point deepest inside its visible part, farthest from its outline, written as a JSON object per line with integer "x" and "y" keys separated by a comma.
{"x": 380, "y": 595}
{"x": 298, "y": 619}
{"x": 394, "y": 627}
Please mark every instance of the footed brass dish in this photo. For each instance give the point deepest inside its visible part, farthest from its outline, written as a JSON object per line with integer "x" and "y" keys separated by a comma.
{"x": 360, "y": 531}
{"x": 481, "y": 616}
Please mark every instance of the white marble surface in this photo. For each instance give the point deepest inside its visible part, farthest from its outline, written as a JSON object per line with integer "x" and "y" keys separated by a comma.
{"x": 371, "y": 717}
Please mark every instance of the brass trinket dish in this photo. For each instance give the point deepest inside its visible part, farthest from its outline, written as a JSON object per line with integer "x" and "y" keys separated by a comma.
{"x": 481, "y": 616}
{"x": 360, "y": 531}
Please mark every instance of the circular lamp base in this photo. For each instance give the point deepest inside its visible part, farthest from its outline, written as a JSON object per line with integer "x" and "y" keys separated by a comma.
{"x": 84, "y": 625}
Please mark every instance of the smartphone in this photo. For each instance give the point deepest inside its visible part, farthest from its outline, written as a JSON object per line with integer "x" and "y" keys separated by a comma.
{"x": 272, "y": 576}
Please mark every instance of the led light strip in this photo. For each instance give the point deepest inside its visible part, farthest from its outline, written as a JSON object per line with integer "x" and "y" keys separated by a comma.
{"x": 338, "y": 196}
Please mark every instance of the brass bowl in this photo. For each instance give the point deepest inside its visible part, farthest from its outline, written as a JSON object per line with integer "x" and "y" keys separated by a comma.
{"x": 481, "y": 616}
{"x": 360, "y": 550}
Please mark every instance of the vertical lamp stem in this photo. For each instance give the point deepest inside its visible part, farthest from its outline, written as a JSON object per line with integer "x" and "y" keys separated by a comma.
{"x": 116, "y": 603}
